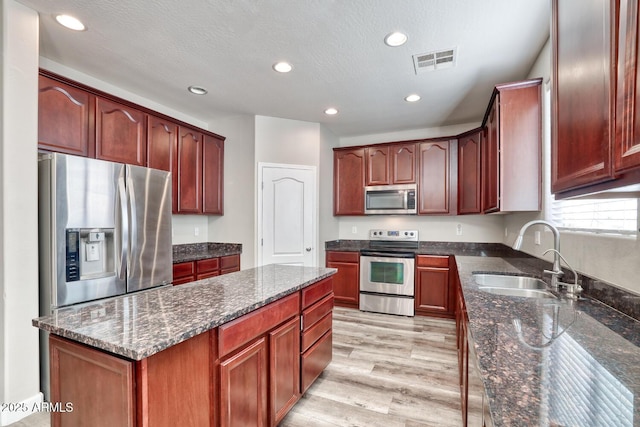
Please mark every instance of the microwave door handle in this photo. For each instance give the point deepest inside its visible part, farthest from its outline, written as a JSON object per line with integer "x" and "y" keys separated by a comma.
{"x": 122, "y": 224}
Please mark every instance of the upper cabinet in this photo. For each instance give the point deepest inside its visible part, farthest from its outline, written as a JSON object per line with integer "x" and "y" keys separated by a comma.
{"x": 120, "y": 133}
{"x": 64, "y": 118}
{"x": 469, "y": 172}
{"x": 583, "y": 85}
{"x": 348, "y": 181}
{"x": 76, "y": 119}
{"x": 378, "y": 165}
{"x": 434, "y": 187}
{"x": 511, "y": 167}
{"x": 391, "y": 164}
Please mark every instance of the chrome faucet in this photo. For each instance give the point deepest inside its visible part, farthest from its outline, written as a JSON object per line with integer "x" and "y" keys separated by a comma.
{"x": 556, "y": 272}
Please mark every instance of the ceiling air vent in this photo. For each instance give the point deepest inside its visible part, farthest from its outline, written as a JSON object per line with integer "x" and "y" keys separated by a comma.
{"x": 434, "y": 60}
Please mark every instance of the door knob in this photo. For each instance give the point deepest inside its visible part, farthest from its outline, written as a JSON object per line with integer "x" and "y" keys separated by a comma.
{"x": 308, "y": 249}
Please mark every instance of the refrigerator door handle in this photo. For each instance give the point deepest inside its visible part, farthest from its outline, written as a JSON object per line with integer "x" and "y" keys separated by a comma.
{"x": 122, "y": 224}
{"x": 133, "y": 229}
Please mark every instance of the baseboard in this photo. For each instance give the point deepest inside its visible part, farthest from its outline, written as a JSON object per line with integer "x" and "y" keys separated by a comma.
{"x": 20, "y": 410}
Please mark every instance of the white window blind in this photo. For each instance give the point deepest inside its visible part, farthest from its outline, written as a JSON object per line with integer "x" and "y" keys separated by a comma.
{"x": 618, "y": 216}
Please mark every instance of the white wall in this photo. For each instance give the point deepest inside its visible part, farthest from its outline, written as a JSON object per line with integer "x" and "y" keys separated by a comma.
{"x": 608, "y": 258}
{"x": 237, "y": 225}
{"x": 329, "y": 224}
{"x": 19, "y": 358}
{"x": 475, "y": 228}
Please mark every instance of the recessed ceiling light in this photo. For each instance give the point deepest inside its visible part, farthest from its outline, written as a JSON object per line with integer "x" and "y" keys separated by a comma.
{"x": 412, "y": 98}
{"x": 395, "y": 39}
{"x": 331, "y": 111}
{"x": 70, "y": 22}
{"x": 197, "y": 90}
{"x": 282, "y": 67}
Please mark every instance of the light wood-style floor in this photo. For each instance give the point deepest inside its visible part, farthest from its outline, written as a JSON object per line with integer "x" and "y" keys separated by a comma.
{"x": 387, "y": 371}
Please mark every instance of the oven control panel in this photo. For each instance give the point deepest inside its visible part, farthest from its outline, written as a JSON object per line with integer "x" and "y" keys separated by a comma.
{"x": 403, "y": 235}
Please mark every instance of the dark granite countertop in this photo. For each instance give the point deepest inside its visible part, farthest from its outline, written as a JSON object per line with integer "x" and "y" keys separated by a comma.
{"x": 197, "y": 251}
{"x": 141, "y": 324}
{"x": 431, "y": 248}
{"x": 574, "y": 363}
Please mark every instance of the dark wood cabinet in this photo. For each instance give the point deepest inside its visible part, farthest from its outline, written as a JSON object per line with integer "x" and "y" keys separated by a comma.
{"x": 434, "y": 294}
{"x": 348, "y": 181}
{"x": 434, "y": 186}
{"x": 346, "y": 282}
{"x": 403, "y": 163}
{"x": 188, "y": 171}
{"x": 65, "y": 118}
{"x": 212, "y": 175}
{"x": 469, "y": 172}
{"x": 120, "y": 133}
{"x": 190, "y": 271}
{"x": 284, "y": 369}
{"x": 243, "y": 385}
{"x": 378, "y": 165}
{"x": 512, "y": 165}
{"x": 162, "y": 136}
{"x": 583, "y": 107}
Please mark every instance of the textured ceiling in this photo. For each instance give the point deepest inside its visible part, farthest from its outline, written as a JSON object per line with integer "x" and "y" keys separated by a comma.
{"x": 158, "y": 48}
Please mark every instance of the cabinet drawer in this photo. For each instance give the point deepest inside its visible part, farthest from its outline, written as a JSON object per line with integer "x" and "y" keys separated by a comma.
{"x": 313, "y": 333}
{"x": 316, "y": 292}
{"x": 208, "y": 265}
{"x": 184, "y": 269}
{"x": 316, "y": 312}
{"x": 230, "y": 262}
{"x": 207, "y": 275}
{"x": 432, "y": 261}
{"x": 315, "y": 360}
{"x": 343, "y": 256}
{"x": 240, "y": 331}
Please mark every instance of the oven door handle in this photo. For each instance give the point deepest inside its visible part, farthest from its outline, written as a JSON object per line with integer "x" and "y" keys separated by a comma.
{"x": 388, "y": 254}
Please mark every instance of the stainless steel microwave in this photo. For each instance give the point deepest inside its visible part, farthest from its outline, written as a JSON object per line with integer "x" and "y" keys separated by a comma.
{"x": 390, "y": 199}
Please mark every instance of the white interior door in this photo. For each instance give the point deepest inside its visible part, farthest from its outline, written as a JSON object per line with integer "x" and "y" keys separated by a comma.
{"x": 287, "y": 214}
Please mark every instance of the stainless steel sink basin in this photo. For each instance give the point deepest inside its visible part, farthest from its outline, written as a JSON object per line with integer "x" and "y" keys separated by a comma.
{"x": 517, "y": 292}
{"x": 512, "y": 282}
{"x": 513, "y": 286}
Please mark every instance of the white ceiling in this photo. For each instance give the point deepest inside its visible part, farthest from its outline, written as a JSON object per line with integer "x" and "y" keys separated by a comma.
{"x": 158, "y": 48}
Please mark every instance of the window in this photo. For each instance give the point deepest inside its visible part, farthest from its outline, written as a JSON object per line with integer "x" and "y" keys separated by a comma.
{"x": 618, "y": 216}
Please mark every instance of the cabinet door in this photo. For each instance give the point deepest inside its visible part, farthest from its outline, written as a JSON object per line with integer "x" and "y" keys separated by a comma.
{"x": 65, "y": 118}
{"x": 212, "y": 175}
{"x": 491, "y": 163}
{"x": 120, "y": 133}
{"x": 434, "y": 178}
{"x": 243, "y": 387}
{"x": 432, "y": 290}
{"x": 94, "y": 382}
{"x": 188, "y": 171}
{"x": 162, "y": 136}
{"x": 348, "y": 182}
{"x": 229, "y": 264}
{"x": 403, "y": 164}
{"x": 583, "y": 75}
{"x": 469, "y": 179}
{"x": 627, "y": 147}
{"x": 284, "y": 372}
{"x": 378, "y": 163}
{"x": 184, "y": 272}
{"x": 346, "y": 282}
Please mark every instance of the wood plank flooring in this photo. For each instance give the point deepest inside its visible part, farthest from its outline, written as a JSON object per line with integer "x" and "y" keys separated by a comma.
{"x": 387, "y": 371}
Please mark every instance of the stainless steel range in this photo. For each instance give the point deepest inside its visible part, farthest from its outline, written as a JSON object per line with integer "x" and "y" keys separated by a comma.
{"x": 387, "y": 272}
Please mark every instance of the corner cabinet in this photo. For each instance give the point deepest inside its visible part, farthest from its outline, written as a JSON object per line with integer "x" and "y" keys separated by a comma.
{"x": 435, "y": 192}
{"x": 435, "y": 292}
{"x": 346, "y": 282}
{"x": 469, "y": 172}
{"x": 512, "y": 151}
{"x": 348, "y": 181}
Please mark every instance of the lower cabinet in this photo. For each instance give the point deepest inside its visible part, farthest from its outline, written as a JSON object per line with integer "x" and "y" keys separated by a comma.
{"x": 434, "y": 291}
{"x": 284, "y": 368}
{"x": 346, "y": 282}
{"x": 185, "y": 272}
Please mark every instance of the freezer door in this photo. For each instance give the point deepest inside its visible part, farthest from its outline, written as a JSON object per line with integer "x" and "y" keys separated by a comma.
{"x": 150, "y": 256}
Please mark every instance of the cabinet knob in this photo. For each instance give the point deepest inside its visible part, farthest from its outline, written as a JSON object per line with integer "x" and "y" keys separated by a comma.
{"x": 308, "y": 249}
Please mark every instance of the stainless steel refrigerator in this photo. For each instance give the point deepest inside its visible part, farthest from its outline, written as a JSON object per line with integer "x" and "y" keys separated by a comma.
{"x": 104, "y": 230}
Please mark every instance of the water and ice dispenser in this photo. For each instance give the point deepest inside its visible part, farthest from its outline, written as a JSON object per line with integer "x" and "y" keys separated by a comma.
{"x": 90, "y": 253}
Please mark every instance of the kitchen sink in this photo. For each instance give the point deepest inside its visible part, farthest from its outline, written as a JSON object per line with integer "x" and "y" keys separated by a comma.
{"x": 513, "y": 286}
{"x": 513, "y": 282}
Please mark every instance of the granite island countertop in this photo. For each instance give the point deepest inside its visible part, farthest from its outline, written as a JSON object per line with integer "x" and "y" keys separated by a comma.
{"x": 573, "y": 363}
{"x": 141, "y": 324}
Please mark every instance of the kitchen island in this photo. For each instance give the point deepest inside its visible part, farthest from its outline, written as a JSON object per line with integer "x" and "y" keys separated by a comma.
{"x": 239, "y": 348}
